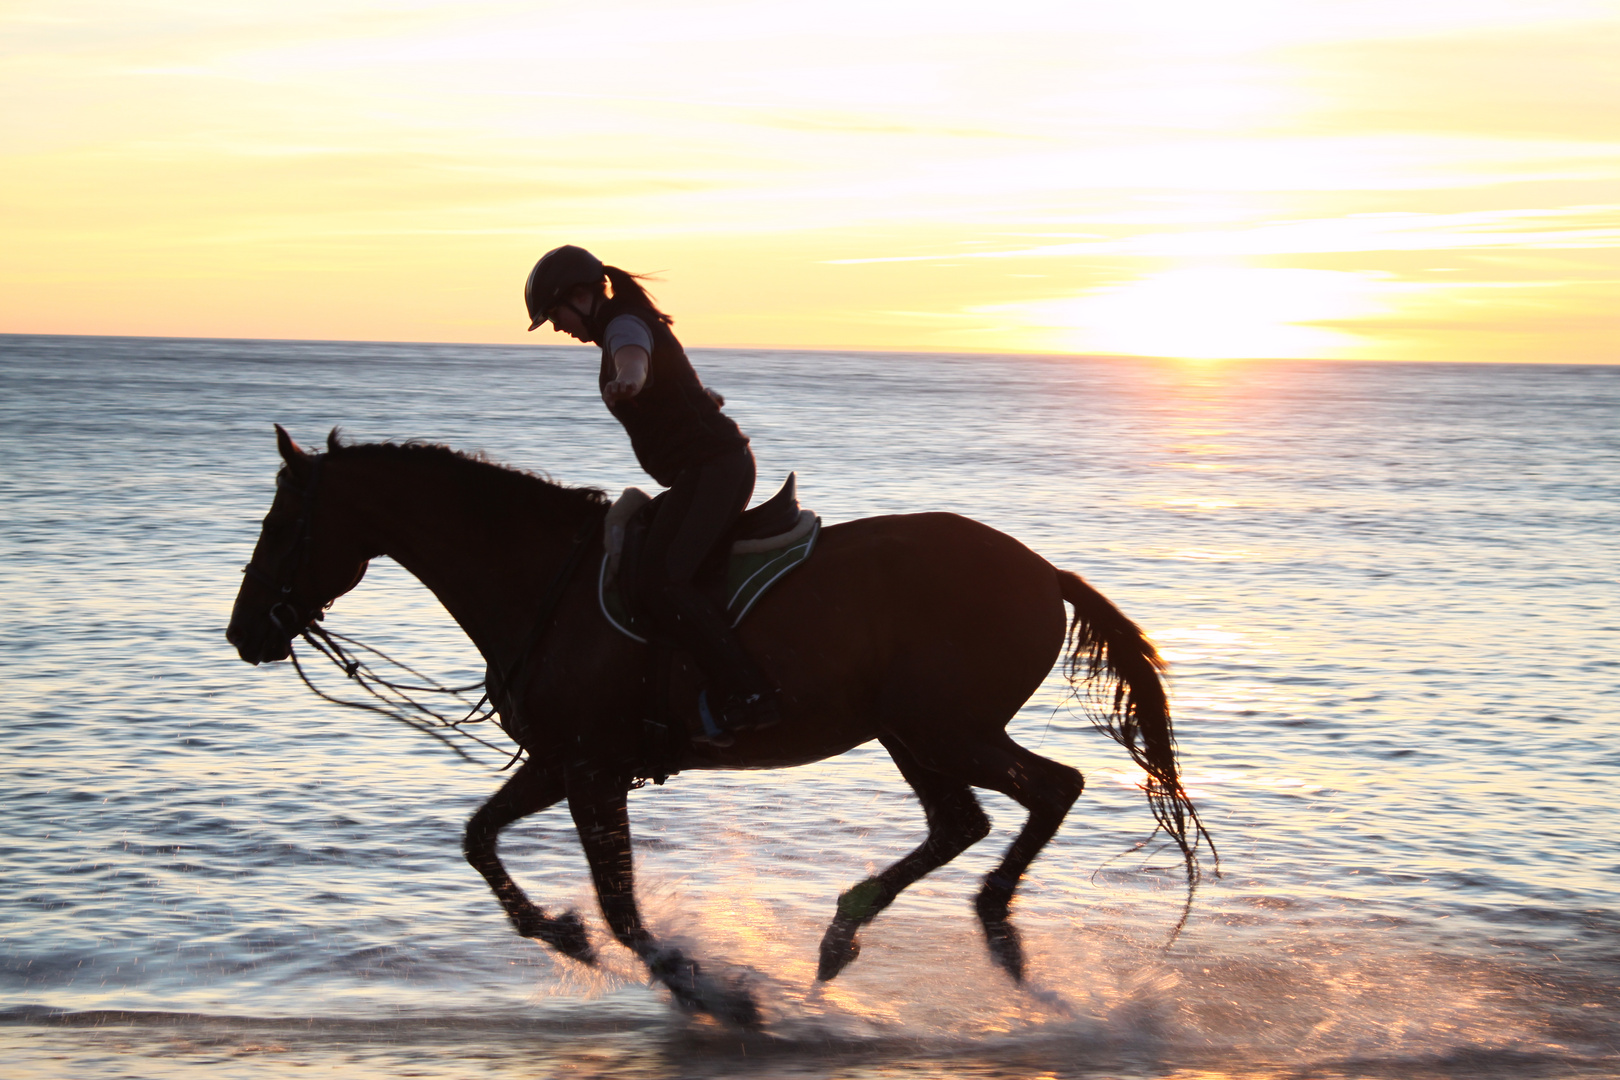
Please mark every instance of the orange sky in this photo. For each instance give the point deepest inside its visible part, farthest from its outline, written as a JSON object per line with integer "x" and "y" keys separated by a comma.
{"x": 1354, "y": 178}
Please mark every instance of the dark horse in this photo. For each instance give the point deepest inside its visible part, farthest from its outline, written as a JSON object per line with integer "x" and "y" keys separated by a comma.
{"x": 926, "y": 632}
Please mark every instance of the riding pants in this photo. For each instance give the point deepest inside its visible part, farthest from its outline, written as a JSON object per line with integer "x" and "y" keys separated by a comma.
{"x": 693, "y": 518}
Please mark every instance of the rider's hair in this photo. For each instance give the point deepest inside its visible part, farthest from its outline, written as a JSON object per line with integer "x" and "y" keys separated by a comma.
{"x": 628, "y": 285}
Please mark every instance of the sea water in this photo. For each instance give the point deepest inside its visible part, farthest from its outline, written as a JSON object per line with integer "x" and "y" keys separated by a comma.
{"x": 1388, "y": 595}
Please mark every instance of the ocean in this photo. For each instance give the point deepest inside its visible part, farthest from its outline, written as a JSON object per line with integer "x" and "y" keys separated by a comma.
{"x": 1389, "y": 594}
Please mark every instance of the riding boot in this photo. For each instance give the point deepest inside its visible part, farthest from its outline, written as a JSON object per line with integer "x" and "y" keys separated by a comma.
{"x": 740, "y": 694}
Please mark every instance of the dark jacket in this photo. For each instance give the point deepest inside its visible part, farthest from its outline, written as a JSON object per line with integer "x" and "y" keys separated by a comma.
{"x": 673, "y": 423}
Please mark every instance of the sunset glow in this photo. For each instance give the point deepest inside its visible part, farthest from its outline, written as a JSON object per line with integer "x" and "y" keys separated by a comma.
{"x": 1373, "y": 180}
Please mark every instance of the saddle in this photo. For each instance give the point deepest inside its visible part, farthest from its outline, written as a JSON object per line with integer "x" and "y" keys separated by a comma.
{"x": 767, "y": 541}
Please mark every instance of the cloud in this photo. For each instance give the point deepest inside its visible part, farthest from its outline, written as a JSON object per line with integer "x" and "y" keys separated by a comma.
{"x": 806, "y": 172}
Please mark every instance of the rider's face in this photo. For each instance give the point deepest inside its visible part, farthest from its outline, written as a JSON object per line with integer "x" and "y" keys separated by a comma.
{"x": 567, "y": 318}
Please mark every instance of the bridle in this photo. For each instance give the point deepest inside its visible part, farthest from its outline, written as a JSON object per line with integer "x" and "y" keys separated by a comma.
{"x": 294, "y": 619}
{"x": 292, "y": 560}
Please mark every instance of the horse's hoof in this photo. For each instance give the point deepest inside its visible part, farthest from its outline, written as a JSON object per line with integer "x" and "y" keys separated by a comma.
{"x": 1005, "y": 948}
{"x": 731, "y": 1004}
{"x": 736, "y": 1007}
{"x": 679, "y": 974}
{"x": 568, "y": 936}
{"x": 566, "y": 933}
{"x": 682, "y": 976}
{"x": 839, "y": 948}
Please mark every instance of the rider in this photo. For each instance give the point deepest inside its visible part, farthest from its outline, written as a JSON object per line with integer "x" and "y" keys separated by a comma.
{"x": 685, "y": 442}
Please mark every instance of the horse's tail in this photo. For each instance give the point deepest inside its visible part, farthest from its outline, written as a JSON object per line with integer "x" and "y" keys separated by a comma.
{"x": 1120, "y": 669}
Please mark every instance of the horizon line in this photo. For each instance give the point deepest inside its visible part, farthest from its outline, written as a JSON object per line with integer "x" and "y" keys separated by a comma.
{"x": 844, "y": 350}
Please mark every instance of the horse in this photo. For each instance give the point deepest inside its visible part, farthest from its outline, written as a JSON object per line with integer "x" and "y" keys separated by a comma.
{"x": 924, "y": 631}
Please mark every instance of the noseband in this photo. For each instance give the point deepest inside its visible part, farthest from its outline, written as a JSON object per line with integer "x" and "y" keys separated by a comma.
{"x": 291, "y": 561}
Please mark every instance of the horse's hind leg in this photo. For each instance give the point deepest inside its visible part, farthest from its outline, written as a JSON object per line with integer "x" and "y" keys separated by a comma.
{"x": 602, "y": 818}
{"x": 955, "y": 823}
{"x": 529, "y": 790}
{"x": 1042, "y": 786}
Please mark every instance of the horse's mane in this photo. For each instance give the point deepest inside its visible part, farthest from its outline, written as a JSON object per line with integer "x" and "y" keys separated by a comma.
{"x": 480, "y": 475}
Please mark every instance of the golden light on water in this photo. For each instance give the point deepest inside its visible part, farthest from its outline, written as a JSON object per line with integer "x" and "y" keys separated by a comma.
{"x": 1257, "y": 179}
{"x": 1192, "y": 503}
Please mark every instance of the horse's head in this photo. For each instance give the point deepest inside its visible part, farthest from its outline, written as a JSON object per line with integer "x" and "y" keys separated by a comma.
{"x": 304, "y": 559}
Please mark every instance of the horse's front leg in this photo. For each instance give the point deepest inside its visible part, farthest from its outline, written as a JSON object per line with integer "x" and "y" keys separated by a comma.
{"x": 602, "y": 816}
{"x": 532, "y": 788}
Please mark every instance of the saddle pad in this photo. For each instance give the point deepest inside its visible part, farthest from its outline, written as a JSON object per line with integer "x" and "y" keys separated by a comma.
{"x": 749, "y": 574}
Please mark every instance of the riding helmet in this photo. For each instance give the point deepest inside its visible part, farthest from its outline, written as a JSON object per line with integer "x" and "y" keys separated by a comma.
{"x": 558, "y": 270}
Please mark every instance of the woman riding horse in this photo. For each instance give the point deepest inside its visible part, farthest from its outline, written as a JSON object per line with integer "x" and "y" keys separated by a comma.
{"x": 686, "y": 443}
{"x": 926, "y": 632}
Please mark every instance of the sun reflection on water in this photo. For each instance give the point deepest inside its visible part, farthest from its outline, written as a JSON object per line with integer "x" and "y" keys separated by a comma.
{"x": 1387, "y": 773}
{"x": 1199, "y": 503}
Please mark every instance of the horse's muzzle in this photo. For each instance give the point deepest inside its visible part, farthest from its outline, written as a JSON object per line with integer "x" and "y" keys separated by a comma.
{"x": 266, "y": 646}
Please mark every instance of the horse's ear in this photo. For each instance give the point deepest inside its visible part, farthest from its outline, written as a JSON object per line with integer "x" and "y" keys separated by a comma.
{"x": 334, "y": 439}
{"x": 295, "y": 458}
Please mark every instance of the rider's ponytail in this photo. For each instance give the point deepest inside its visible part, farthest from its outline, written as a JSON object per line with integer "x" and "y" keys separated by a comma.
{"x": 627, "y": 284}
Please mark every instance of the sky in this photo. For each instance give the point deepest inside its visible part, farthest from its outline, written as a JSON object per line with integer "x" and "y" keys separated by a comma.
{"x": 1360, "y": 179}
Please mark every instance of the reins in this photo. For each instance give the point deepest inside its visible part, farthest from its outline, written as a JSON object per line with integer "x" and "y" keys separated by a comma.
{"x": 395, "y": 700}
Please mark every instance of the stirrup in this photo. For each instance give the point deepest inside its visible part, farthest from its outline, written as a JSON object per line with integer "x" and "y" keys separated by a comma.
{"x": 712, "y": 734}
{"x": 752, "y": 713}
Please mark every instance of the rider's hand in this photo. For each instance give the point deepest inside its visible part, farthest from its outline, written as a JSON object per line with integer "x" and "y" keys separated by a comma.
{"x": 629, "y": 375}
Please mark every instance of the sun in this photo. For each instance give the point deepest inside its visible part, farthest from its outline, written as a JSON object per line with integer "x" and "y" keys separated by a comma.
{"x": 1204, "y": 313}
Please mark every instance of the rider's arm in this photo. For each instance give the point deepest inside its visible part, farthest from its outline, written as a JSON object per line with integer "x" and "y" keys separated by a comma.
{"x": 629, "y": 341}
{"x": 630, "y": 374}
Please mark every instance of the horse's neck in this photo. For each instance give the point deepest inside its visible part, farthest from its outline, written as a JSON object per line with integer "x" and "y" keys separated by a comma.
{"x": 488, "y": 577}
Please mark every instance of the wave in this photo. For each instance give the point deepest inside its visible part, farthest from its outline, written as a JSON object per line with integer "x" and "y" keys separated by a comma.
{"x": 176, "y": 1044}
